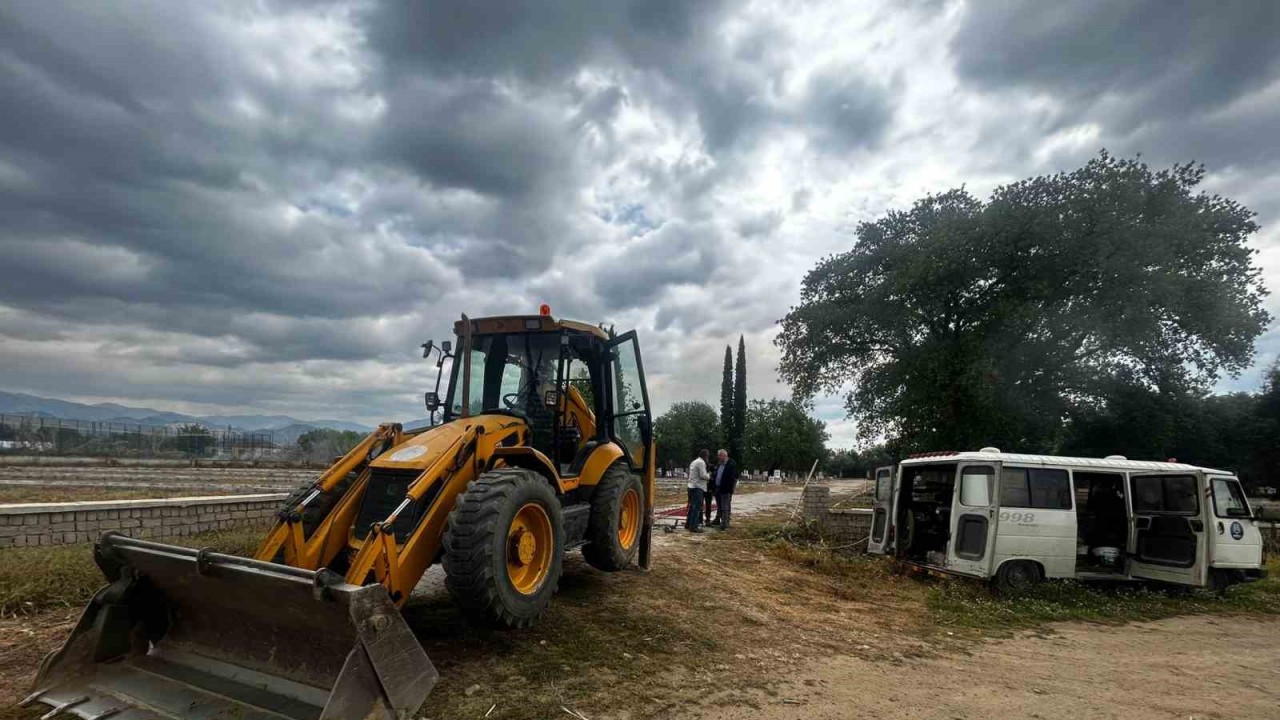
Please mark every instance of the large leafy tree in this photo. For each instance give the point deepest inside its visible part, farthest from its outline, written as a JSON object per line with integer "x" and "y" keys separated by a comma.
{"x": 961, "y": 323}
{"x": 684, "y": 430}
{"x": 781, "y": 435}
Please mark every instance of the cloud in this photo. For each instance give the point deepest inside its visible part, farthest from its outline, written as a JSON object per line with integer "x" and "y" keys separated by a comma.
{"x": 269, "y": 206}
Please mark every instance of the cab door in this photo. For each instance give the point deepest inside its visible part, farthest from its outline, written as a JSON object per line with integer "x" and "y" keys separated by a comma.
{"x": 1235, "y": 539}
{"x": 630, "y": 421}
{"x": 973, "y": 520}
{"x": 1167, "y": 539}
{"x": 881, "y": 510}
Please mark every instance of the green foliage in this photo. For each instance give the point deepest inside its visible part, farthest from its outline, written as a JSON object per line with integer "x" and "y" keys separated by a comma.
{"x": 726, "y": 401}
{"x": 851, "y": 463}
{"x": 780, "y": 435}
{"x": 963, "y": 323}
{"x": 324, "y": 444}
{"x": 736, "y": 442}
{"x": 192, "y": 439}
{"x": 1236, "y": 432}
{"x": 684, "y": 430}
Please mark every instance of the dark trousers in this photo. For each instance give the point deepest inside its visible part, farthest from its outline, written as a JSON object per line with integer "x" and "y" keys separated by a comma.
{"x": 694, "y": 517}
{"x": 724, "y": 505}
{"x": 709, "y": 498}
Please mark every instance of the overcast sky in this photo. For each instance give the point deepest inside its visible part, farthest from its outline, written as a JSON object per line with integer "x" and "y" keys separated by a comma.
{"x": 267, "y": 207}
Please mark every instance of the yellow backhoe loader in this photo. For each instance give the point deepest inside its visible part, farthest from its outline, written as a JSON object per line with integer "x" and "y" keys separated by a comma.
{"x": 545, "y": 445}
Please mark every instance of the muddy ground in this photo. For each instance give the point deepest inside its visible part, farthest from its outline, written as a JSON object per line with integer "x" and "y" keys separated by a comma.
{"x": 722, "y": 628}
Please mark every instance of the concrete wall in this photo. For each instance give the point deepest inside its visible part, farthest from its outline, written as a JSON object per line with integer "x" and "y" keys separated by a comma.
{"x": 843, "y": 528}
{"x": 78, "y": 522}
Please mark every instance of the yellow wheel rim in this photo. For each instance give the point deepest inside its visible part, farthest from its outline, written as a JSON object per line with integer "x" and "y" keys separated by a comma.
{"x": 530, "y": 543}
{"x": 629, "y": 519}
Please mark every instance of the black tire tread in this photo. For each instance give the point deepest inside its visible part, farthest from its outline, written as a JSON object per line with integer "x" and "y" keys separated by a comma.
{"x": 469, "y": 544}
{"x": 602, "y": 550}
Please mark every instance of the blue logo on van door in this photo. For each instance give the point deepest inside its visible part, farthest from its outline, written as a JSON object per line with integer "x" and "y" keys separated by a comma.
{"x": 1237, "y": 531}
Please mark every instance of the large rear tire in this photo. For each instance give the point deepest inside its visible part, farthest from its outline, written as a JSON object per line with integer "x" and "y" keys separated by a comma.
{"x": 504, "y": 547}
{"x": 617, "y": 518}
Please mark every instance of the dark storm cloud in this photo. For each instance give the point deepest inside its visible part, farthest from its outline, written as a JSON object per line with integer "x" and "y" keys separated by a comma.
{"x": 535, "y": 41}
{"x": 281, "y": 200}
{"x": 648, "y": 266}
{"x": 1168, "y": 78}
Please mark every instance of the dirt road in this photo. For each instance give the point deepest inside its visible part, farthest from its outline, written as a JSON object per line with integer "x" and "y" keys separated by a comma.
{"x": 1190, "y": 667}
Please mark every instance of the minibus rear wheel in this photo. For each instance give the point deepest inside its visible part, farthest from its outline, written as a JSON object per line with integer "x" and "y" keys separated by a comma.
{"x": 1017, "y": 576}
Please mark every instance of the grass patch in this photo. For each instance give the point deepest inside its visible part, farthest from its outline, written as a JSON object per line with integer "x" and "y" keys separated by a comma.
{"x": 958, "y": 603}
{"x": 35, "y": 578}
{"x": 599, "y": 645}
{"x": 970, "y": 604}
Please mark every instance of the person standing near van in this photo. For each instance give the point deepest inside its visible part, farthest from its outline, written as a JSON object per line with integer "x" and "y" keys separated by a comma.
{"x": 697, "y": 476}
{"x": 726, "y": 479}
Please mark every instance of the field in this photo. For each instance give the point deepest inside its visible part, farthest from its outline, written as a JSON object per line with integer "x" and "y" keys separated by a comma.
{"x": 758, "y": 622}
{"x": 23, "y": 483}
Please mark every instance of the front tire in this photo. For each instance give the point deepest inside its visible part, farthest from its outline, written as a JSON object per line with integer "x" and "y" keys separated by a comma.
{"x": 504, "y": 547}
{"x": 617, "y": 519}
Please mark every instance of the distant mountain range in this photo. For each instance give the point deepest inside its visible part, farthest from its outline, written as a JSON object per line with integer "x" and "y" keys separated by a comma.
{"x": 285, "y": 429}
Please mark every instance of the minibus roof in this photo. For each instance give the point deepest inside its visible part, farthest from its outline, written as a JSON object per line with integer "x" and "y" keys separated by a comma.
{"x": 1113, "y": 463}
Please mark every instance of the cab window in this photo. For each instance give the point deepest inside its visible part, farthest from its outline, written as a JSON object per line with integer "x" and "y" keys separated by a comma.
{"x": 1228, "y": 499}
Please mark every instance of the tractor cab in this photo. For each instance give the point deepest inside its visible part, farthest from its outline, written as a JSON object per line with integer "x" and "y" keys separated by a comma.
{"x": 560, "y": 377}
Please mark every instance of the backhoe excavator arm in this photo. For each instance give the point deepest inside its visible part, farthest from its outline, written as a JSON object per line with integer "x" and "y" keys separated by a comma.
{"x": 317, "y": 550}
{"x": 398, "y": 567}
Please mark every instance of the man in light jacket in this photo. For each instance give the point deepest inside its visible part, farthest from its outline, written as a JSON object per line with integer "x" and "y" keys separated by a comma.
{"x": 698, "y": 476}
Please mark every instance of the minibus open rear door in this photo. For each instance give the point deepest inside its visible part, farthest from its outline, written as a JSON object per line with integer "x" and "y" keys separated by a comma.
{"x": 881, "y": 510}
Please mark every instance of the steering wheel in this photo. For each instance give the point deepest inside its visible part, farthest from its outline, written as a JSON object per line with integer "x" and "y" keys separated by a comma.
{"x": 511, "y": 400}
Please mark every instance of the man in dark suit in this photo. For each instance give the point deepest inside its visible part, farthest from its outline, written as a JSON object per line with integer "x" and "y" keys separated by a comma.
{"x": 726, "y": 480}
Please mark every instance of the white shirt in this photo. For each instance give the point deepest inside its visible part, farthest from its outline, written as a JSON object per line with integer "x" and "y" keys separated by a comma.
{"x": 698, "y": 475}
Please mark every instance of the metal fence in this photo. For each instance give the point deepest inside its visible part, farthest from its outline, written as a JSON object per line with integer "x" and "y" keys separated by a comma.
{"x": 26, "y": 434}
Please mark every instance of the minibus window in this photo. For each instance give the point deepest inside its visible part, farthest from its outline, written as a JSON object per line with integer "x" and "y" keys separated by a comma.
{"x": 975, "y": 486}
{"x": 1041, "y": 488}
{"x": 1228, "y": 499}
{"x": 1171, "y": 494}
{"x": 884, "y": 488}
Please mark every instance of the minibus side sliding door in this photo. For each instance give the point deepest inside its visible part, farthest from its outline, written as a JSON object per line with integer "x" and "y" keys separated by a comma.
{"x": 1167, "y": 540}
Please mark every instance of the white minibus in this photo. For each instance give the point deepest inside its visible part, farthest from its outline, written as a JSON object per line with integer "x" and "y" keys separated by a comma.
{"x": 1018, "y": 519}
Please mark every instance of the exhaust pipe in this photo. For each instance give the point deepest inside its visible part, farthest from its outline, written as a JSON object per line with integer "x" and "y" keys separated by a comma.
{"x": 199, "y": 635}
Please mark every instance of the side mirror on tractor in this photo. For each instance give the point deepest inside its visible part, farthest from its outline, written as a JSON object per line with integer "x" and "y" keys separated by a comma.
{"x": 432, "y": 401}
{"x": 427, "y": 347}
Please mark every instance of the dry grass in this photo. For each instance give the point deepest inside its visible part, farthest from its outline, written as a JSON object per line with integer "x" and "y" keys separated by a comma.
{"x": 969, "y": 608}
{"x": 39, "y": 578}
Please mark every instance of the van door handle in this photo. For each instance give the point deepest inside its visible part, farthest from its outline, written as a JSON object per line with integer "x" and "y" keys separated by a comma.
{"x": 1197, "y": 524}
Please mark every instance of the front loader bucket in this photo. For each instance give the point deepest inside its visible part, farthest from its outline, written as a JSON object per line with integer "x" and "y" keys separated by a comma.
{"x": 198, "y": 635}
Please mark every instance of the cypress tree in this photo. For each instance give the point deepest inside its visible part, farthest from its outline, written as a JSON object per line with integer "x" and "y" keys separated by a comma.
{"x": 739, "y": 404}
{"x": 726, "y": 400}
